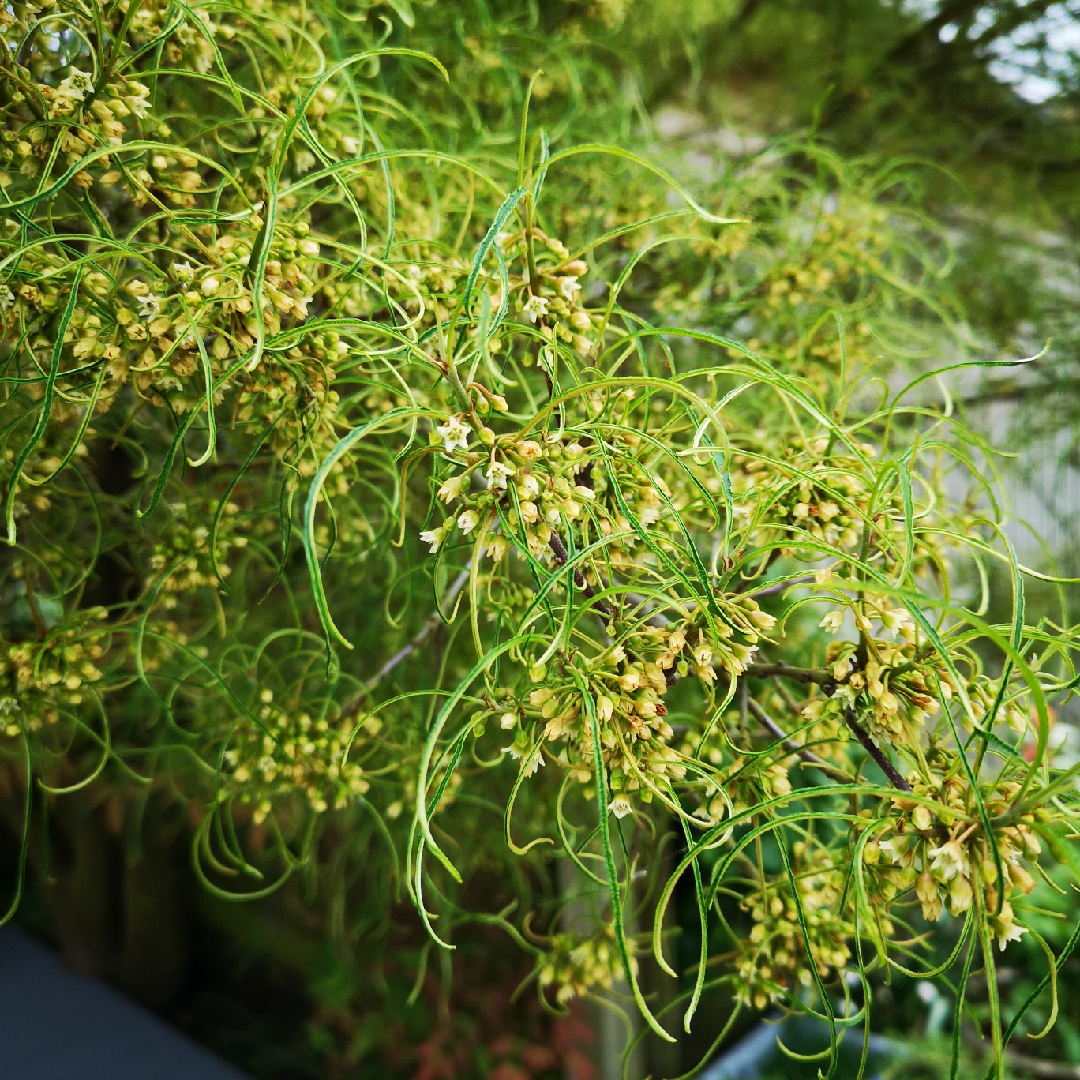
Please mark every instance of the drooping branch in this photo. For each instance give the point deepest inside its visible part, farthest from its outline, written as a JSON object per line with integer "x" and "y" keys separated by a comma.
{"x": 775, "y": 587}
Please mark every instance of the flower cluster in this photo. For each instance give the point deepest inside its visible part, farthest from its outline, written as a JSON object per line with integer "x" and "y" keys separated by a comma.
{"x": 553, "y": 301}
{"x": 43, "y": 682}
{"x": 815, "y": 490}
{"x": 280, "y": 752}
{"x": 772, "y": 962}
{"x": 577, "y": 965}
{"x": 625, "y": 686}
{"x": 522, "y": 490}
{"x": 930, "y": 846}
{"x": 181, "y": 560}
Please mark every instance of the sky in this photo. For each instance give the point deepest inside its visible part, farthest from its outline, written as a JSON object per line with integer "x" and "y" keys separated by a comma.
{"x": 1017, "y": 59}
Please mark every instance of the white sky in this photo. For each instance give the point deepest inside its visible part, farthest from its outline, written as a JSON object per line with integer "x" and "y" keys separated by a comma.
{"x": 1014, "y": 57}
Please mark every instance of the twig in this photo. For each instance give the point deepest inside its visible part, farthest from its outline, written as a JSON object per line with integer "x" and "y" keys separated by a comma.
{"x": 433, "y": 620}
{"x": 35, "y": 611}
{"x": 780, "y": 586}
{"x": 652, "y": 616}
{"x": 876, "y": 753}
{"x": 656, "y": 618}
{"x": 822, "y": 676}
{"x": 561, "y": 554}
{"x": 808, "y": 756}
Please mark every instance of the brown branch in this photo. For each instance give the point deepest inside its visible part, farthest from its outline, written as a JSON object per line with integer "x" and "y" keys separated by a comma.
{"x": 748, "y": 10}
{"x": 808, "y": 756}
{"x": 433, "y": 621}
{"x": 872, "y": 748}
{"x": 1011, "y": 21}
{"x": 821, "y": 676}
{"x": 559, "y": 550}
{"x": 745, "y": 583}
{"x": 31, "y": 603}
{"x": 1006, "y": 390}
{"x": 779, "y": 586}
{"x": 927, "y": 38}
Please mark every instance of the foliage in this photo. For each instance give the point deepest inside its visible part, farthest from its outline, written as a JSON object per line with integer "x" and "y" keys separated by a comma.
{"x": 398, "y": 479}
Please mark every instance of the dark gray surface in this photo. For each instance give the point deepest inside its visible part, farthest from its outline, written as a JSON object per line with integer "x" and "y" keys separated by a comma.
{"x": 747, "y": 1059}
{"x": 58, "y": 1025}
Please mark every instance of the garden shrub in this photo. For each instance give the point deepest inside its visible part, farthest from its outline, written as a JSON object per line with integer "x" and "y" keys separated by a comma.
{"x": 397, "y": 475}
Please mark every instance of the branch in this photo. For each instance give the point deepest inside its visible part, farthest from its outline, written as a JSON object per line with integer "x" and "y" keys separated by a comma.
{"x": 1011, "y": 21}
{"x": 432, "y": 621}
{"x": 928, "y": 36}
{"x": 656, "y": 618}
{"x": 821, "y": 676}
{"x": 1007, "y": 390}
{"x": 31, "y": 603}
{"x": 876, "y": 752}
{"x": 780, "y": 586}
{"x": 1051, "y": 1070}
{"x": 808, "y": 756}
{"x": 561, "y": 554}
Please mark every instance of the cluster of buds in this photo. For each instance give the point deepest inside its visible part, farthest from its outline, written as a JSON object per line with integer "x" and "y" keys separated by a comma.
{"x": 41, "y": 290}
{"x": 577, "y": 965}
{"x": 627, "y": 696}
{"x": 182, "y": 550}
{"x": 59, "y": 107}
{"x": 33, "y": 491}
{"x": 189, "y": 44}
{"x": 983, "y": 694}
{"x": 627, "y": 683}
{"x": 42, "y": 681}
{"x": 772, "y": 960}
{"x": 892, "y": 687}
{"x": 87, "y": 116}
{"x": 162, "y": 333}
{"x": 814, "y": 490}
{"x": 744, "y": 783}
{"x": 553, "y": 302}
{"x": 429, "y": 290}
{"x": 937, "y": 849}
{"x": 286, "y": 752}
{"x": 162, "y": 325}
{"x": 811, "y": 264}
{"x": 298, "y": 400}
{"x": 846, "y": 243}
{"x": 524, "y": 488}
{"x": 723, "y": 635}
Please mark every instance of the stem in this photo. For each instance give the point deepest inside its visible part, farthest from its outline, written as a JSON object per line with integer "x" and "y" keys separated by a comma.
{"x": 876, "y": 753}
{"x": 561, "y": 554}
{"x": 456, "y": 385}
{"x": 530, "y": 256}
{"x": 987, "y": 941}
{"x": 433, "y": 620}
{"x": 1040, "y": 1067}
{"x": 31, "y": 603}
{"x": 779, "y": 586}
{"x": 808, "y": 756}
{"x": 822, "y": 676}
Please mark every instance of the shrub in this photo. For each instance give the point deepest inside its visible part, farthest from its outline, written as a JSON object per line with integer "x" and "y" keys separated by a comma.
{"x": 615, "y": 525}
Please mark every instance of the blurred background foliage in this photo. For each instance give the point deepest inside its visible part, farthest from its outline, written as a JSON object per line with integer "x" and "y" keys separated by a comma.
{"x": 943, "y": 142}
